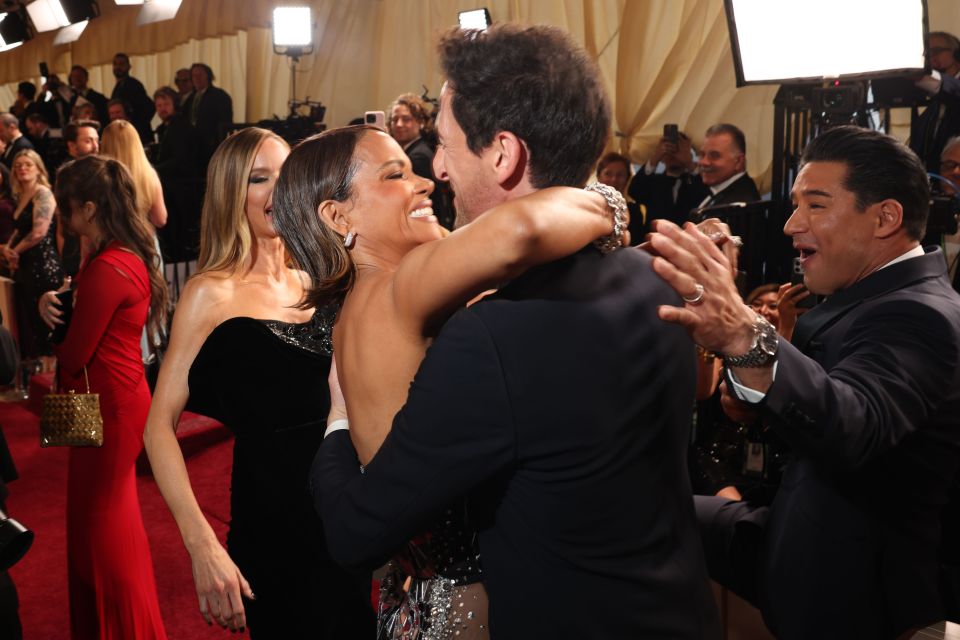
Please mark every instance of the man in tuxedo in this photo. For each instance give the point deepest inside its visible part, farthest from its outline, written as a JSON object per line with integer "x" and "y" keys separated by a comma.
{"x": 940, "y": 120}
{"x": 51, "y": 147}
{"x": 669, "y": 195}
{"x": 209, "y": 109}
{"x": 78, "y": 79}
{"x": 131, "y": 93}
{"x": 867, "y": 395}
{"x": 11, "y": 135}
{"x": 559, "y": 404}
{"x": 723, "y": 167}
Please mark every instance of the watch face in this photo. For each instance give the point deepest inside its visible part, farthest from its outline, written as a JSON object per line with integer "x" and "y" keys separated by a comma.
{"x": 769, "y": 341}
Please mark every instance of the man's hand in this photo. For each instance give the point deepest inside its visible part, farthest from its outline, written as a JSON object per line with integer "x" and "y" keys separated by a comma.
{"x": 713, "y": 311}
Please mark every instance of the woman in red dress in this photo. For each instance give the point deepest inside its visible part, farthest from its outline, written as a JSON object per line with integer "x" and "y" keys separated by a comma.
{"x": 112, "y": 589}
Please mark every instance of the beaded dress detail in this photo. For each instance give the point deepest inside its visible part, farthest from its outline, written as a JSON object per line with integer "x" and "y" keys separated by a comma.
{"x": 432, "y": 589}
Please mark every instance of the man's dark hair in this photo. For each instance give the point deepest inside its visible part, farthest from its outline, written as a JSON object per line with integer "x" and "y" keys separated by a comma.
{"x": 118, "y": 101}
{"x": 37, "y": 117}
{"x": 70, "y": 131}
{"x": 878, "y": 167}
{"x": 122, "y": 55}
{"x": 536, "y": 83}
{"x": 168, "y": 92}
{"x": 206, "y": 69}
{"x": 28, "y": 89}
{"x": 732, "y": 130}
{"x": 951, "y": 39}
{"x": 77, "y": 67}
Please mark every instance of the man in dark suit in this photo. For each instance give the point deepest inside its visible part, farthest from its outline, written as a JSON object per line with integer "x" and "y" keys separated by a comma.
{"x": 940, "y": 120}
{"x": 209, "y": 109}
{"x": 867, "y": 395}
{"x": 78, "y": 79}
{"x": 130, "y": 92}
{"x": 559, "y": 404}
{"x": 723, "y": 167}
{"x": 12, "y": 137}
{"x": 51, "y": 148}
{"x": 672, "y": 194}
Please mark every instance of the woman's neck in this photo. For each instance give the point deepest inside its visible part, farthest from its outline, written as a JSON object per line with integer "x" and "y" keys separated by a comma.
{"x": 267, "y": 260}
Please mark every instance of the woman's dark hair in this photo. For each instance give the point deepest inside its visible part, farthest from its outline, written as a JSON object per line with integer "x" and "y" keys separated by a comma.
{"x": 320, "y": 168}
{"x": 108, "y": 185}
{"x": 878, "y": 167}
{"x": 536, "y": 83}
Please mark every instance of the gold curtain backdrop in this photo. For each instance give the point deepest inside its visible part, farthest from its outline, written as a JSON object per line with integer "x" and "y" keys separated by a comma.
{"x": 663, "y": 61}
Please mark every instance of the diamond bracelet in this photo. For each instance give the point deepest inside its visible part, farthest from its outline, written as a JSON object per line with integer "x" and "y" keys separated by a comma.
{"x": 618, "y": 205}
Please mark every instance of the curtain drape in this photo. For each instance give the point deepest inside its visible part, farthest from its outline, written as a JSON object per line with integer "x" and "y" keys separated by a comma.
{"x": 662, "y": 61}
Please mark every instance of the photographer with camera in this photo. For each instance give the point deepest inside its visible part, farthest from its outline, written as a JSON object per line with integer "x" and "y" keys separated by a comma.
{"x": 669, "y": 195}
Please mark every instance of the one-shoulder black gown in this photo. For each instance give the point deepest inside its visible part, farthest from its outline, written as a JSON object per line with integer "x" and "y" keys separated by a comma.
{"x": 266, "y": 380}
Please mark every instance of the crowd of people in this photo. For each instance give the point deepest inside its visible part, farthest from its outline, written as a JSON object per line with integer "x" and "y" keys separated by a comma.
{"x": 575, "y": 394}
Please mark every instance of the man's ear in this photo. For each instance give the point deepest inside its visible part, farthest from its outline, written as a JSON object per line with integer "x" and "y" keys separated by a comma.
{"x": 509, "y": 157}
{"x": 333, "y": 215}
{"x": 889, "y": 218}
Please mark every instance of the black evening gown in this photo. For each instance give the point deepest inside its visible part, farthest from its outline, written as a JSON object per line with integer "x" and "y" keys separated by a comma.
{"x": 267, "y": 381}
{"x": 39, "y": 271}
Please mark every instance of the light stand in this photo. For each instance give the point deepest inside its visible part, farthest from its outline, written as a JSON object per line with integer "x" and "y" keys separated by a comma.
{"x": 293, "y": 37}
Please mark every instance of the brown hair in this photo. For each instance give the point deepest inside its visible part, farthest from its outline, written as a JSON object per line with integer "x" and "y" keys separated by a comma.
{"x": 224, "y": 231}
{"x": 319, "y": 168}
{"x": 107, "y": 184}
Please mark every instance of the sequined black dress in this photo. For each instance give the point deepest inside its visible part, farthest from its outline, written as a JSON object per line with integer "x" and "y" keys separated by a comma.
{"x": 267, "y": 381}
{"x": 39, "y": 270}
{"x": 432, "y": 589}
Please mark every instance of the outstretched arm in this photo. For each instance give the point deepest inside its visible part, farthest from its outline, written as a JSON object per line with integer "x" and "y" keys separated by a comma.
{"x": 218, "y": 580}
{"x": 499, "y": 245}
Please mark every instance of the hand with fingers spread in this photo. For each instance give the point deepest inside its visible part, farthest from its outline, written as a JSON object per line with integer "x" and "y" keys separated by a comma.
{"x": 713, "y": 312}
{"x": 49, "y": 306}
{"x": 220, "y": 586}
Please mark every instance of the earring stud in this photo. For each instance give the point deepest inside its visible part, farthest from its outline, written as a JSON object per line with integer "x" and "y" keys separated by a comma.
{"x": 350, "y": 239}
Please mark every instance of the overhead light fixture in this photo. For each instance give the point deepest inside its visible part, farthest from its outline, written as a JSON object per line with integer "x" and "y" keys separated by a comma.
{"x": 157, "y": 11}
{"x": 48, "y": 15}
{"x": 13, "y": 31}
{"x": 476, "y": 19}
{"x": 856, "y": 41}
{"x": 71, "y": 33}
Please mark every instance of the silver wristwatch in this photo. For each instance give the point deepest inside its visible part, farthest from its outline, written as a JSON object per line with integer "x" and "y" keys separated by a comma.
{"x": 763, "y": 349}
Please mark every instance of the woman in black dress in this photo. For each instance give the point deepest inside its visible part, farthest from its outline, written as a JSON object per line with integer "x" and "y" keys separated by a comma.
{"x": 31, "y": 252}
{"x": 242, "y": 352}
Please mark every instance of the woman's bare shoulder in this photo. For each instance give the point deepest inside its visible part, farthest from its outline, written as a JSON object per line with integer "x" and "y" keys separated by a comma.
{"x": 204, "y": 297}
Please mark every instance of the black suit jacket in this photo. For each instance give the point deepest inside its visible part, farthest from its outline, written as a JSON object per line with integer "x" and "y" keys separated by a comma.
{"x": 869, "y": 398}
{"x": 131, "y": 92}
{"x": 561, "y": 405}
{"x": 214, "y": 113}
{"x": 13, "y": 149}
{"x": 655, "y": 192}
{"x": 99, "y": 102}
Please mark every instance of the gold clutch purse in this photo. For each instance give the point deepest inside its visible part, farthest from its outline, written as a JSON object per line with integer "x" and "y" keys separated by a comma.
{"x": 71, "y": 419}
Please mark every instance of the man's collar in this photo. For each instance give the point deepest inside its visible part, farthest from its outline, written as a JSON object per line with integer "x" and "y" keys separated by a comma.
{"x": 916, "y": 252}
{"x": 411, "y": 143}
{"x": 717, "y": 188}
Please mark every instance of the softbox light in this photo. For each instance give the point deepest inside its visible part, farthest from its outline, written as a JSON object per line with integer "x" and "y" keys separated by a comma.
{"x": 292, "y": 27}
{"x": 784, "y": 41}
{"x": 13, "y": 31}
{"x": 71, "y": 33}
{"x": 158, "y": 11}
{"x": 477, "y": 19}
{"x": 48, "y": 15}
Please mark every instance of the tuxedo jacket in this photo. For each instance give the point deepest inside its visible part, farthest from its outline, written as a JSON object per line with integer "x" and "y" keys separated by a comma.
{"x": 656, "y": 193}
{"x": 868, "y": 396}
{"x": 561, "y": 407}
{"x": 214, "y": 113}
{"x": 99, "y": 102}
{"x": 130, "y": 91}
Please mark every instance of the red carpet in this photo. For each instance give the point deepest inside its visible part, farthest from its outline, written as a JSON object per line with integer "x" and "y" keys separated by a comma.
{"x": 38, "y": 500}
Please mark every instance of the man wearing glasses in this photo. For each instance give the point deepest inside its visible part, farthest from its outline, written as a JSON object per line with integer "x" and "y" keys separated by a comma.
{"x": 930, "y": 130}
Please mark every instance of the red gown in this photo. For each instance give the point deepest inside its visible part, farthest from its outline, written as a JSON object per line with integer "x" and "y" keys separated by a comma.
{"x": 113, "y": 594}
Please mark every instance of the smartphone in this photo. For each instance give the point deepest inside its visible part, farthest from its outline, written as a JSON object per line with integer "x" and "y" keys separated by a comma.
{"x": 58, "y": 334}
{"x": 672, "y": 133}
{"x": 44, "y": 72}
{"x": 796, "y": 277}
{"x": 375, "y": 118}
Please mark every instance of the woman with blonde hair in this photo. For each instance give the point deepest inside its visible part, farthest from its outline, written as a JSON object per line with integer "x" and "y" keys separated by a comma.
{"x": 243, "y": 351}
{"x": 31, "y": 252}
{"x": 122, "y": 142}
